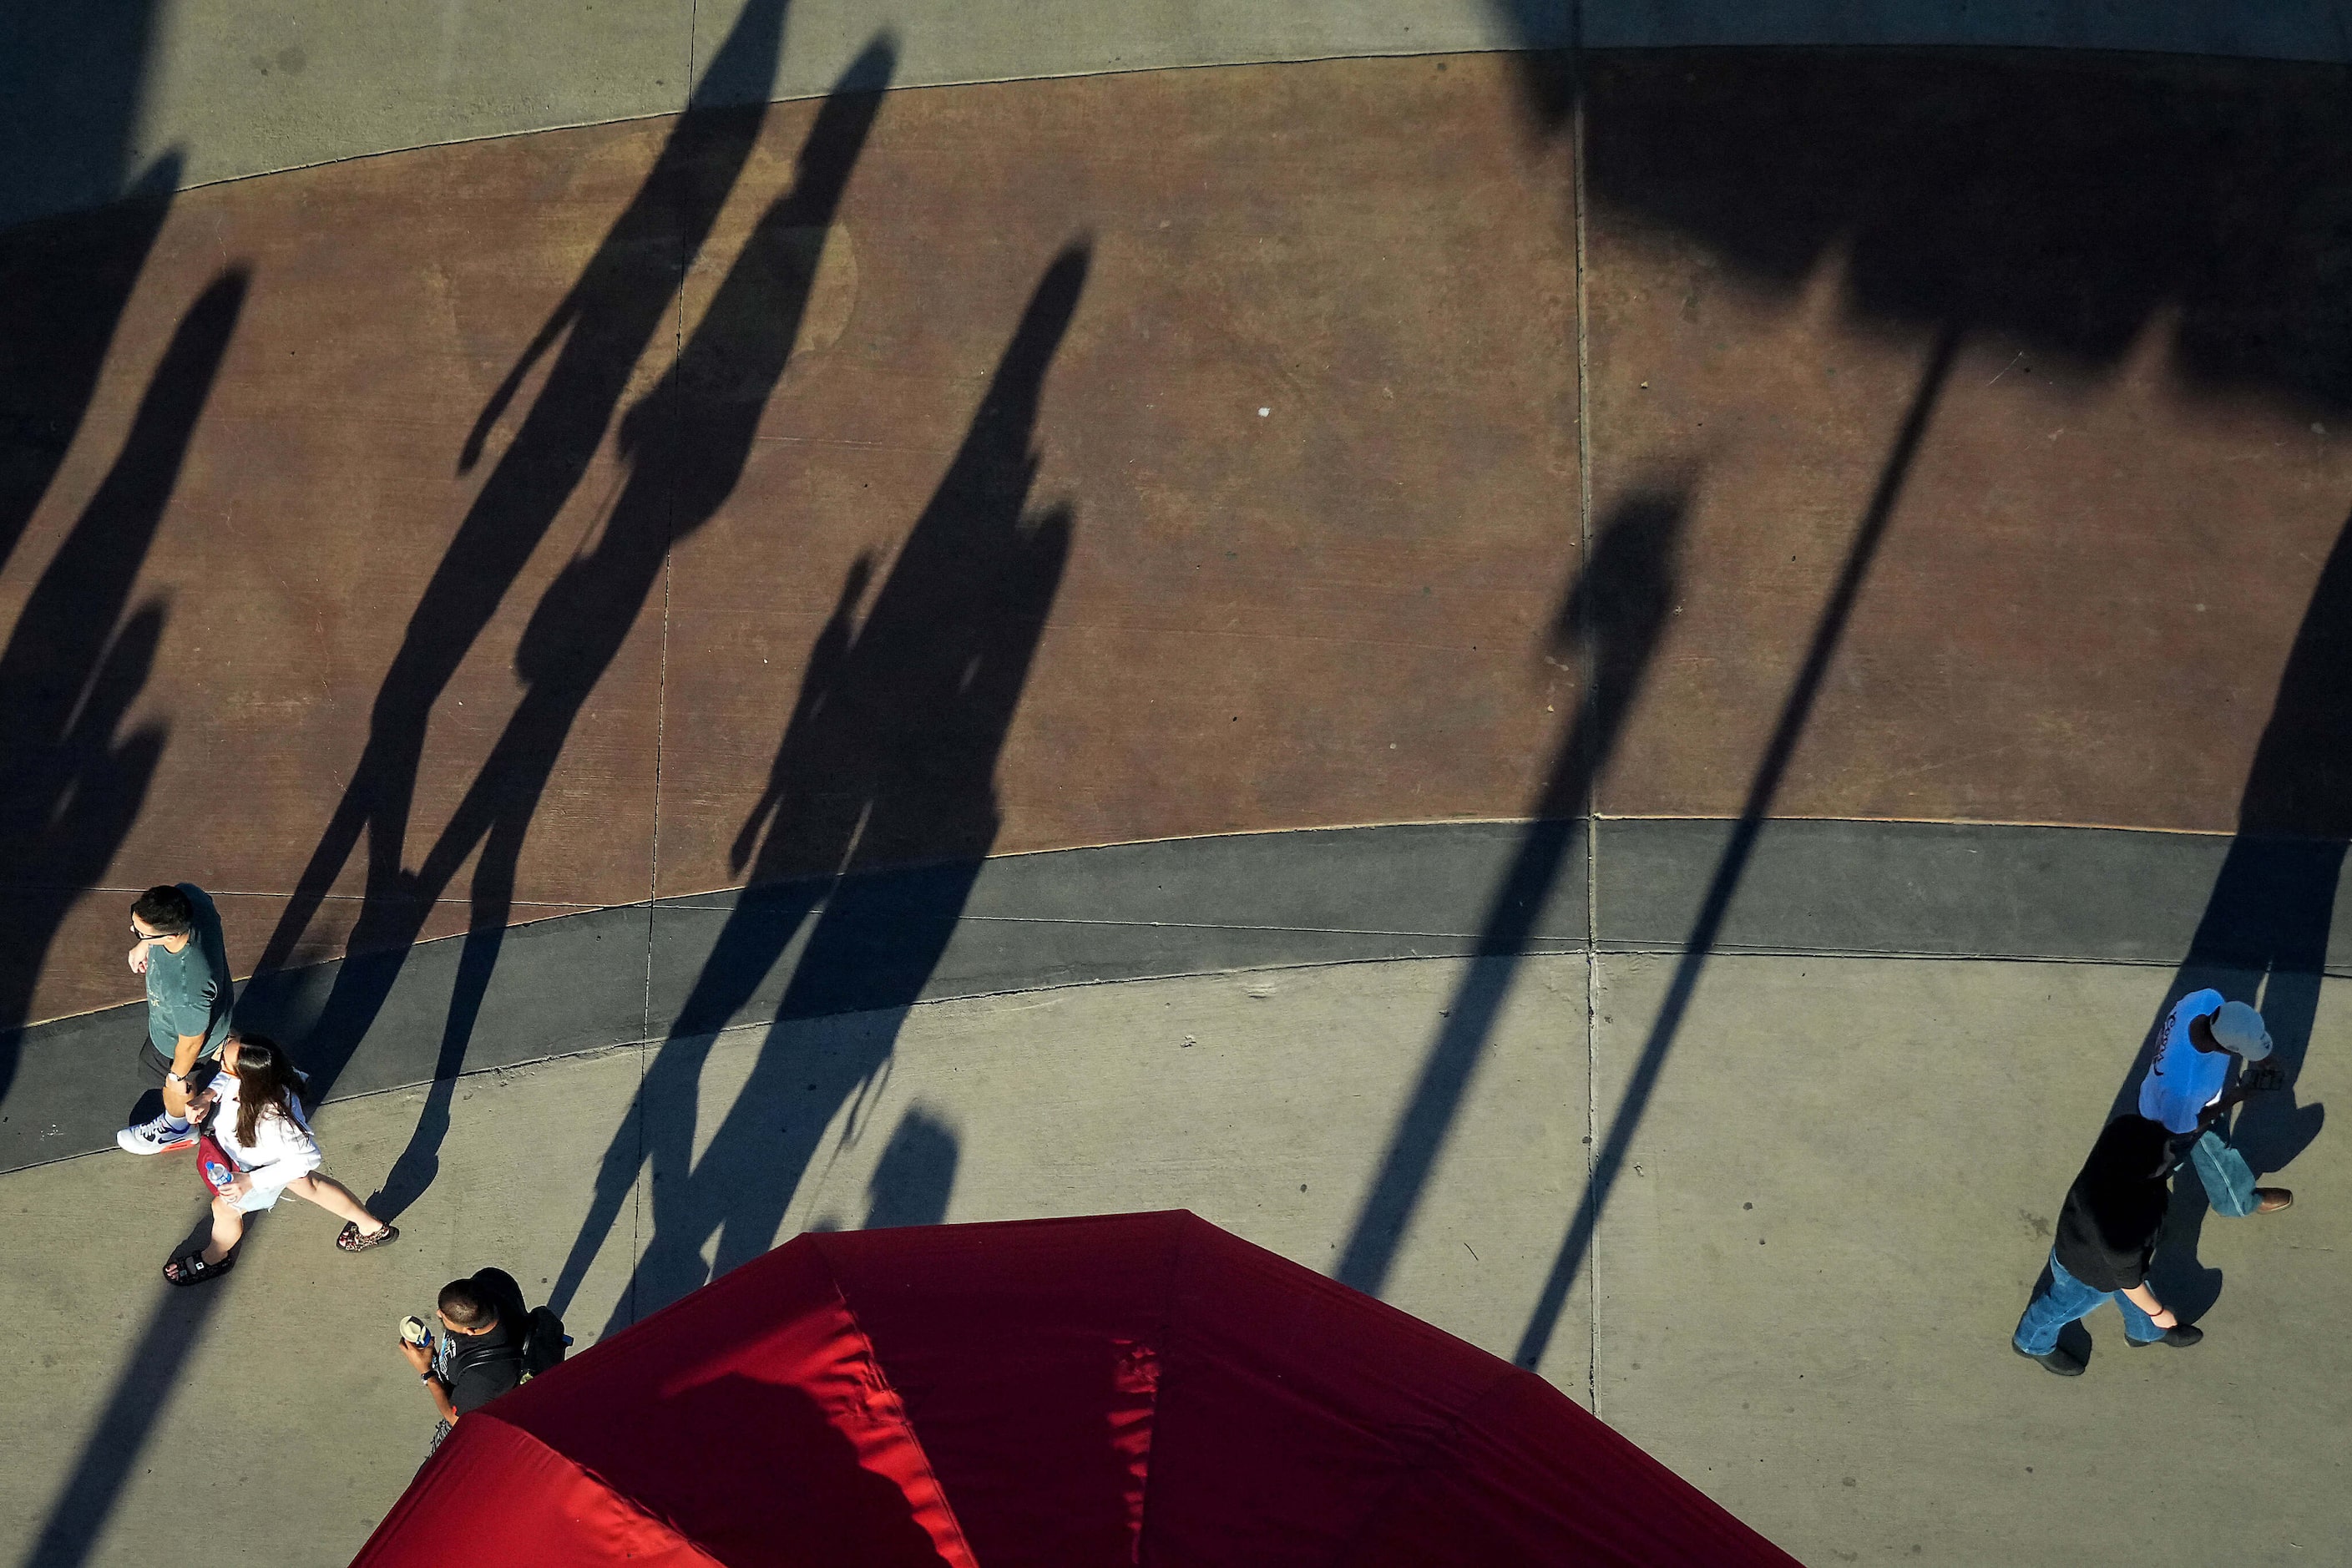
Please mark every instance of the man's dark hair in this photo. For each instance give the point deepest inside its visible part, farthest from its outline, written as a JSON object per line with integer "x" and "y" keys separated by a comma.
{"x": 166, "y": 910}
{"x": 464, "y": 1303}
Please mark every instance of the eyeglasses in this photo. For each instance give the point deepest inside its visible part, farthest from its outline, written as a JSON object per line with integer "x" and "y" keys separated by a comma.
{"x": 143, "y": 936}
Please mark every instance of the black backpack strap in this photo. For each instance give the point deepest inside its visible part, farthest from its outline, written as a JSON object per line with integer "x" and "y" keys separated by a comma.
{"x": 465, "y": 1358}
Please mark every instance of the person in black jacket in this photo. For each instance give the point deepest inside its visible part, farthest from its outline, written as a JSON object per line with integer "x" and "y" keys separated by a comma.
{"x": 480, "y": 1354}
{"x": 2108, "y": 1232}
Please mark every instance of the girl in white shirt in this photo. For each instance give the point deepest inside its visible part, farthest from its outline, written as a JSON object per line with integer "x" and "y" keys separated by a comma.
{"x": 256, "y": 1116}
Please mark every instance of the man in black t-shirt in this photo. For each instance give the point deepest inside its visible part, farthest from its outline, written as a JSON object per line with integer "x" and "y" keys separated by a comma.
{"x": 2108, "y": 1232}
{"x": 480, "y": 1354}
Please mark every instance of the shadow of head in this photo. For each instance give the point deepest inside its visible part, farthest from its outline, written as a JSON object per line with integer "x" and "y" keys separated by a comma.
{"x": 1619, "y": 608}
{"x": 916, "y": 1174}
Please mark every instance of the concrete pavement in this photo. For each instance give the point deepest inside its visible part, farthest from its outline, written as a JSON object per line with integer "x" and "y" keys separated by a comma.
{"x": 478, "y": 561}
{"x": 1830, "y": 1211}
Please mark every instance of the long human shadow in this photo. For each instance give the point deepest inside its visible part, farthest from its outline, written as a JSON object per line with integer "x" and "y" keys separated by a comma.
{"x": 1611, "y": 619}
{"x": 688, "y": 443}
{"x": 2263, "y": 935}
{"x": 69, "y": 789}
{"x": 604, "y": 324}
{"x": 1764, "y": 788}
{"x": 888, "y": 760}
{"x": 71, "y": 784}
{"x": 596, "y": 335}
{"x": 73, "y": 666}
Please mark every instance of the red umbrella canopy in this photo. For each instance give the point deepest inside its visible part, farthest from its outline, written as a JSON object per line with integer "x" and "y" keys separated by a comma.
{"x": 1047, "y": 1393}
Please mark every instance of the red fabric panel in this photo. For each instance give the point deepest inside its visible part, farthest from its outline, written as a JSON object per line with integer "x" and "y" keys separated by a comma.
{"x": 1532, "y": 1478}
{"x": 1028, "y": 1357}
{"x": 1290, "y": 1406}
{"x": 752, "y": 1416}
{"x": 494, "y": 1495}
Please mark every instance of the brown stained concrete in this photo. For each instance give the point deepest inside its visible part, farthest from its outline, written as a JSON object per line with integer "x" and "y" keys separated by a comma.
{"x": 1190, "y": 618}
{"x": 1337, "y": 612}
{"x": 320, "y": 488}
{"x": 2127, "y": 482}
{"x": 1332, "y": 613}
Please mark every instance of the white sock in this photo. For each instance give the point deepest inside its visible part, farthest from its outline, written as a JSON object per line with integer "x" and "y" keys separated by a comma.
{"x": 176, "y": 1123}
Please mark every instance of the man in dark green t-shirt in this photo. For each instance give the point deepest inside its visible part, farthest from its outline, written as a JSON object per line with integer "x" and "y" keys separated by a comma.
{"x": 181, "y": 953}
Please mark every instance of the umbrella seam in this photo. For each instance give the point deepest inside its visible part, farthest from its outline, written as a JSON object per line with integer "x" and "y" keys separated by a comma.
{"x": 1166, "y": 1350}
{"x": 906, "y": 1422}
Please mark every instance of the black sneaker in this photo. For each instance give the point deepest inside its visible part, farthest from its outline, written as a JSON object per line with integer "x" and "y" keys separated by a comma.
{"x": 2180, "y": 1336}
{"x": 2061, "y": 1361}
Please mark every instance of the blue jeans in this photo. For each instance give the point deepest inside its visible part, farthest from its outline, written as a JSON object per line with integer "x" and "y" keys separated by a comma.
{"x": 2066, "y": 1299}
{"x": 2228, "y": 1180}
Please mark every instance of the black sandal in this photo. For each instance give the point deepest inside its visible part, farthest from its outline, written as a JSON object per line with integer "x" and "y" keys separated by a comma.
{"x": 191, "y": 1268}
{"x": 351, "y": 1240}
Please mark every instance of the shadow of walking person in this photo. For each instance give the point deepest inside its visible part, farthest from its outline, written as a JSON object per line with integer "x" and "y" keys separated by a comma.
{"x": 889, "y": 760}
{"x": 2264, "y": 934}
{"x": 596, "y": 335}
{"x": 70, "y": 787}
{"x": 688, "y": 443}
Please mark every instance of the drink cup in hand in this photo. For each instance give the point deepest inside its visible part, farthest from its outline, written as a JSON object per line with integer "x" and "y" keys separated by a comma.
{"x": 414, "y": 1331}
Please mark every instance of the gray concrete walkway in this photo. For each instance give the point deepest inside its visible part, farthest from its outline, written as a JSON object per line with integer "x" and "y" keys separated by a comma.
{"x": 1833, "y": 1203}
{"x": 188, "y": 92}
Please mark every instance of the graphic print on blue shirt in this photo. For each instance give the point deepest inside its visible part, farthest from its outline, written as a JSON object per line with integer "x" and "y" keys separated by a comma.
{"x": 2183, "y": 1081}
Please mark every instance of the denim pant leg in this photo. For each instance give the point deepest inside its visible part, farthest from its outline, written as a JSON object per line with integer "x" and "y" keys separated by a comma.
{"x": 2054, "y": 1306}
{"x": 2139, "y": 1327}
{"x": 2228, "y": 1180}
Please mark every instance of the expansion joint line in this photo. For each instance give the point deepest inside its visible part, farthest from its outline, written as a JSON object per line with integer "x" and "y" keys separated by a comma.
{"x": 661, "y": 734}
{"x": 1591, "y": 804}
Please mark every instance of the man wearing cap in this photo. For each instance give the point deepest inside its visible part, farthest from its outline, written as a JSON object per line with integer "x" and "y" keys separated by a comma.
{"x": 2183, "y": 1091}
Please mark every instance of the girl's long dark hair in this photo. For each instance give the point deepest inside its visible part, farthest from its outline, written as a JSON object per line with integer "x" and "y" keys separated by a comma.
{"x": 265, "y": 1081}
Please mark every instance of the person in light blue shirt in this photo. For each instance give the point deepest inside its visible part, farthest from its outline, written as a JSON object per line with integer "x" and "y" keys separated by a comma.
{"x": 2183, "y": 1091}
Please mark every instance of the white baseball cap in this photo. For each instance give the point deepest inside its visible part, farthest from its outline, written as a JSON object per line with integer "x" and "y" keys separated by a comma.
{"x": 2237, "y": 1028}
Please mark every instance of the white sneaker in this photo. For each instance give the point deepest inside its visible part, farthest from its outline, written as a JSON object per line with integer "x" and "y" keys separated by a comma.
{"x": 156, "y": 1137}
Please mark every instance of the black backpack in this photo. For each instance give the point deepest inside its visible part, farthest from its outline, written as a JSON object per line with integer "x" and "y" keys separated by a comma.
{"x": 543, "y": 1338}
{"x": 543, "y": 1342}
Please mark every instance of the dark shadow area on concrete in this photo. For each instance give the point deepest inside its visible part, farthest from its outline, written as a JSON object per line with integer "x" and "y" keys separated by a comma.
{"x": 915, "y": 1177}
{"x": 70, "y": 79}
{"x": 71, "y": 785}
{"x": 2180, "y": 1280}
{"x": 71, "y": 780}
{"x": 2069, "y": 200}
{"x": 1212, "y": 905}
{"x": 1610, "y": 622}
{"x": 1771, "y": 769}
{"x": 888, "y": 756}
{"x": 688, "y": 443}
{"x": 685, "y": 453}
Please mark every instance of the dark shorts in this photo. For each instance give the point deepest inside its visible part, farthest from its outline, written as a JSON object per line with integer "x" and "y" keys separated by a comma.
{"x": 155, "y": 1068}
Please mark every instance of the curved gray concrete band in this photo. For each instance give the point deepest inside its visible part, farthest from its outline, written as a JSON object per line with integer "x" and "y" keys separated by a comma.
{"x": 1204, "y": 906}
{"x": 199, "y": 91}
